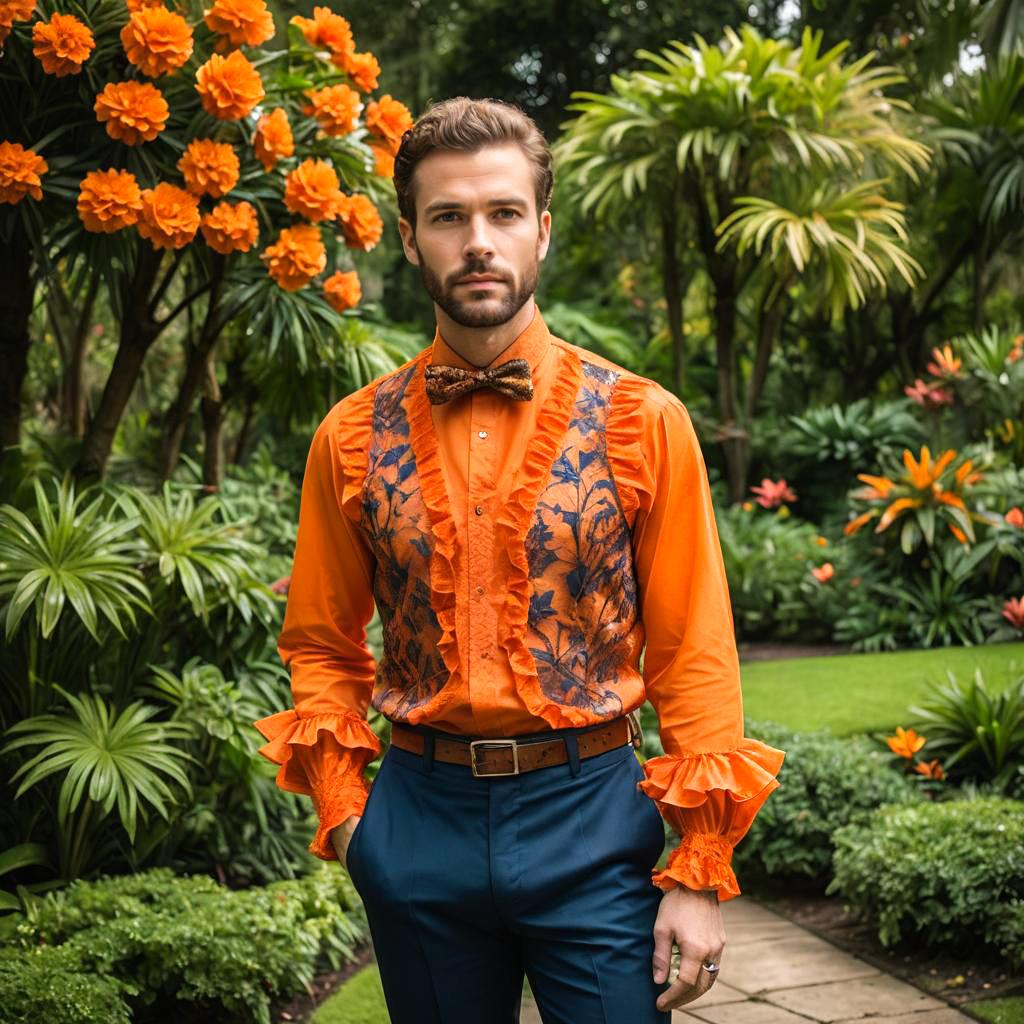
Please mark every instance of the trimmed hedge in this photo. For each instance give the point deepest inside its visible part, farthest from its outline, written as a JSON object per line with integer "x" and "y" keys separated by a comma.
{"x": 158, "y": 940}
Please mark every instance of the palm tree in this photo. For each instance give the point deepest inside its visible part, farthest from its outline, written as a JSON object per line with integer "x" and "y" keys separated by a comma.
{"x": 776, "y": 158}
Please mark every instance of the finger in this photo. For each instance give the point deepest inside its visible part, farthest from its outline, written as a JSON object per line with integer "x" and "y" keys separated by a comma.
{"x": 676, "y": 994}
{"x": 662, "y": 953}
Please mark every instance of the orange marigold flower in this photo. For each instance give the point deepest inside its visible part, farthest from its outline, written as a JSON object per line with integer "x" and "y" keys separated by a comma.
{"x": 326, "y": 30}
{"x": 20, "y": 171}
{"x": 209, "y": 168}
{"x": 228, "y": 228}
{"x": 157, "y": 41}
{"x": 109, "y": 200}
{"x": 15, "y": 10}
{"x": 134, "y": 112}
{"x": 362, "y": 68}
{"x": 388, "y": 118}
{"x": 343, "y": 290}
{"x": 931, "y": 768}
{"x": 296, "y": 257}
{"x": 360, "y": 222}
{"x": 62, "y": 44}
{"x": 1015, "y": 517}
{"x": 242, "y": 22}
{"x": 139, "y": 5}
{"x": 336, "y": 108}
{"x": 383, "y": 161}
{"x": 229, "y": 87}
{"x": 312, "y": 191}
{"x": 824, "y": 573}
{"x": 273, "y": 138}
{"x": 1013, "y": 612}
{"x": 170, "y": 216}
{"x": 906, "y": 743}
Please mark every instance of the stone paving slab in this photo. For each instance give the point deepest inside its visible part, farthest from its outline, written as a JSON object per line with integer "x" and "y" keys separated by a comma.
{"x": 880, "y": 995}
{"x": 750, "y": 1012}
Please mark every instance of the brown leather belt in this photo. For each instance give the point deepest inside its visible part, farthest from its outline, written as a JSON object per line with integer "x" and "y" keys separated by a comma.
{"x": 511, "y": 756}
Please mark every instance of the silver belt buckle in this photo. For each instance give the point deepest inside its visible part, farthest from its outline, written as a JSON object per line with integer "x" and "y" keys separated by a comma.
{"x": 493, "y": 743}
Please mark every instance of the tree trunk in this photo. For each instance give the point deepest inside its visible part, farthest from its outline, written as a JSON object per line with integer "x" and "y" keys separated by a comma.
{"x": 735, "y": 444}
{"x": 138, "y": 332}
{"x": 769, "y": 321}
{"x": 72, "y": 395}
{"x": 248, "y": 415}
{"x": 673, "y": 291}
{"x": 213, "y": 429}
{"x": 17, "y": 290}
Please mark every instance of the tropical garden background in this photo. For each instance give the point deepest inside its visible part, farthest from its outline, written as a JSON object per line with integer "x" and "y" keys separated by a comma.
{"x": 805, "y": 219}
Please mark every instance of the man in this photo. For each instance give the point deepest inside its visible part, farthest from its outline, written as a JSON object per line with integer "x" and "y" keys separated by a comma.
{"x": 525, "y": 514}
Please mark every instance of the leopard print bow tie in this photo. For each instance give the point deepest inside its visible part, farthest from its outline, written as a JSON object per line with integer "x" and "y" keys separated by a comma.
{"x": 511, "y": 378}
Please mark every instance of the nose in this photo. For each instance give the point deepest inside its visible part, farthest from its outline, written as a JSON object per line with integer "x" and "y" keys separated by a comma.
{"x": 478, "y": 243}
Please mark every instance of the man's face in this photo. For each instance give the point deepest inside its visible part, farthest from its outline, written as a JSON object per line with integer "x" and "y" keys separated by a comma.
{"x": 476, "y": 214}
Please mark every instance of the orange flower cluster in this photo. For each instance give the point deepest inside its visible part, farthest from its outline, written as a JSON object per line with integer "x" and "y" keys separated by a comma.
{"x": 343, "y": 290}
{"x": 944, "y": 363}
{"x": 134, "y": 112}
{"x": 327, "y": 31}
{"x": 273, "y": 139}
{"x": 20, "y": 171}
{"x": 209, "y": 168}
{"x": 109, "y": 200}
{"x": 383, "y": 161}
{"x": 336, "y": 108}
{"x": 138, "y": 5}
{"x": 921, "y": 486}
{"x": 62, "y": 44}
{"x": 906, "y": 742}
{"x": 1015, "y": 517}
{"x": 930, "y": 769}
{"x": 945, "y": 367}
{"x": 363, "y": 69}
{"x": 312, "y": 191}
{"x": 824, "y": 572}
{"x": 241, "y": 22}
{"x": 169, "y": 217}
{"x": 361, "y": 224}
{"x": 228, "y": 228}
{"x": 12, "y": 11}
{"x": 297, "y": 256}
{"x": 229, "y": 87}
{"x": 388, "y": 119}
{"x": 157, "y": 41}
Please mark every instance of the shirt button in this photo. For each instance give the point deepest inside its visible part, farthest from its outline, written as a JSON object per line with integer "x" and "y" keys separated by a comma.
{"x": 481, "y": 433}
{"x": 485, "y": 654}
{"x": 479, "y": 590}
{"x": 479, "y": 510}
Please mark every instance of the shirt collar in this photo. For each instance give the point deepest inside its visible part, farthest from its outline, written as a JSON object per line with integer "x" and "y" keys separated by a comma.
{"x": 532, "y": 345}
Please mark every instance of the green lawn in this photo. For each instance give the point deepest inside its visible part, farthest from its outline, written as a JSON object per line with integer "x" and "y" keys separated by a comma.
{"x": 853, "y": 693}
{"x": 999, "y": 1011}
{"x": 359, "y": 1001}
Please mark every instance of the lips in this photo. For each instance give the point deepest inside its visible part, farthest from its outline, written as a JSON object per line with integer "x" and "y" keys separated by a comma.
{"x": 479, "y": 280}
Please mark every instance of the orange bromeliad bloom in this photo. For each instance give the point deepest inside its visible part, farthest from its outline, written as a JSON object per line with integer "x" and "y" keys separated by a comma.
{"x": 326, "y": 30}
{"x": 228, "y": 228}
{"x": 360, "y": 222}
{"x": 157, "y": 41}
{"x": 906, "y": 743}
{"x": 932, "y": 769}
{"x": 209, "y": 168}
{"x": 62, "y": 44}
{"x": 312, "y": 191}
{"x": 134, "y": 112}
{"x": 944, "y": 363}
{"x": 343, "y": 290}
{"x": 241, "y": 22}
{"x": 336, "y": 108}
{"x": 1013, "y": 612}
{"x": 273, "y": 139}
{"x": 229, "y": 87}
{"x": 20, "y": 173}
{"x": 296, "y": 257}
{"x": 362, "y": 68}
{"x": 170, "y": 216}
{"x": 923, "y": 473}
{"x": 388, "y": 119}
{"x": 109, "y": 200}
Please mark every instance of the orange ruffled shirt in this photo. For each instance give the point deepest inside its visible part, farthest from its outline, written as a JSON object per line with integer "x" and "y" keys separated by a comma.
{"x": 711, "y": 781}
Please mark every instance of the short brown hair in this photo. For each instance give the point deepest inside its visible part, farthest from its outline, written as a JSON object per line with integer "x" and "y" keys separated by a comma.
{"x": 466, "y": 125}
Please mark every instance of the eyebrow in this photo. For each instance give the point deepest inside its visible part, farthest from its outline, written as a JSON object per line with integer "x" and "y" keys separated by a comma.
{"x": 440, "y": 205}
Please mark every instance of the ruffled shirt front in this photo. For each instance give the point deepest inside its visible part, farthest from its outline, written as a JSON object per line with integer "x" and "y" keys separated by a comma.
{"x": 481, "y": 461}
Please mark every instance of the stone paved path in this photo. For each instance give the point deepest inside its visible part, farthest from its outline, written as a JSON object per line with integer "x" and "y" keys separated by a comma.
{"x": 775, "y": 972}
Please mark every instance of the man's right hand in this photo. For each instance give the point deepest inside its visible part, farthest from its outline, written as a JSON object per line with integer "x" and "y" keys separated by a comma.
{"x": 341, "y": 836}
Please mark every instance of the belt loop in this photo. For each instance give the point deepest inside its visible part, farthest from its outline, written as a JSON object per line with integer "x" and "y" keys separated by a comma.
{"x": 572, "y": 752}
{"x": 428, "y": 752}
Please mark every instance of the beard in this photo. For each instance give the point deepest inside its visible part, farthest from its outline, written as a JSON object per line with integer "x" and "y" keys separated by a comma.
{"x": 487, "y": 312}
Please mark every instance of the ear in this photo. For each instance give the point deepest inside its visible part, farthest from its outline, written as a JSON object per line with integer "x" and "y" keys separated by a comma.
{"x": 544, "y": 235}
{"x": 405, "y": 229}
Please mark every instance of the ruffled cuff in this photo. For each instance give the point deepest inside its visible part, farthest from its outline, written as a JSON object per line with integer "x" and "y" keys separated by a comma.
{"x": 335, "y": 799}
{"x": 700, "y": 861}
{"x": 287, "y": 730}
{"x": 711, "y": 800}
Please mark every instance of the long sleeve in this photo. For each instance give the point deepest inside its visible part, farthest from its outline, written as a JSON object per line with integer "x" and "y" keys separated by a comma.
{"x": 712, "y": 780}
{"x": 324, "y": 743}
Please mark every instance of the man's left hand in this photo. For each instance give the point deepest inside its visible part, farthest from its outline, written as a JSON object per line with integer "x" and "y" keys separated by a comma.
{"x": 692, "y": 920}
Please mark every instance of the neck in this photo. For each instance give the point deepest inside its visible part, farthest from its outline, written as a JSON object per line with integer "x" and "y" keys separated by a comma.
{"x": 482, "y": 345}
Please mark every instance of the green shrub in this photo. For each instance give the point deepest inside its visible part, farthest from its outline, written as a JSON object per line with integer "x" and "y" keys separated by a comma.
{"x": 824, "y": 783}
{"x": 941, "y": 872}
{"x": 157, "y": 940}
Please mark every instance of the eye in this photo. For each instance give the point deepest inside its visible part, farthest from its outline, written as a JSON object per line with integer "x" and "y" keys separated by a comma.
{"x": 447, "y": 213}
{"x": 508, "y": 209}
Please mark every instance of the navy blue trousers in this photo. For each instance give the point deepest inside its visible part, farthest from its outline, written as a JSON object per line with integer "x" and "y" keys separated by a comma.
{"x": 470, "y": 882}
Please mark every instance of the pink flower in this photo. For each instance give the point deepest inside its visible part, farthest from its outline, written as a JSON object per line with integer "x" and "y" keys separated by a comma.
{"x": 1013, "y": 612}
{"x": 927, "y": 395}
{"x": 772, "y": 493}
{"x": 281, "y": 585}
